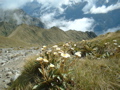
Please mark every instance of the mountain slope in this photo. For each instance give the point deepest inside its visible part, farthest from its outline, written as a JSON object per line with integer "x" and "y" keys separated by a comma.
{"x": 7, "y": 43}
{"x": 78, "y": 35}
{"x": 36, "y": 35}
{"x": 109, "y": 37}
{"x": 6, "y": 28}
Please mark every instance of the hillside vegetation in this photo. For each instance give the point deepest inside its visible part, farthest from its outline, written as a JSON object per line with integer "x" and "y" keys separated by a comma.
{"x": 86, "y": 65}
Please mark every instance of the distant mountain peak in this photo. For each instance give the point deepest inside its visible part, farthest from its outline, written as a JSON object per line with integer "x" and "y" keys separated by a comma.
{"x": 18, "y": 16}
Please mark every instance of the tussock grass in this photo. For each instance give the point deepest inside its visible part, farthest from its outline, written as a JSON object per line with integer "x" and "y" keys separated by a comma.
{"x": 96, "y": 74}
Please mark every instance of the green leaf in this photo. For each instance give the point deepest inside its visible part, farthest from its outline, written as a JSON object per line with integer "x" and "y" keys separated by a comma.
{"x": 61, "y": 88}
{"x": 40, "y": 71}
{"x": 59, "y": 78}
{"x": 107, "y": 54}
{"x": 35, "y": 87}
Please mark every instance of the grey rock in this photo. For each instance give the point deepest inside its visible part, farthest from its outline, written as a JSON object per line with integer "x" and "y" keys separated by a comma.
{"x": 9, "y": 73}
{"x": 6, "y": 81}
{"x": 2, "y": 62}
{"x": 6, "y": 86}
{"x": 6, "y": 69}
{"x": 15, "y": 77}
{"x": 0, "y": 75}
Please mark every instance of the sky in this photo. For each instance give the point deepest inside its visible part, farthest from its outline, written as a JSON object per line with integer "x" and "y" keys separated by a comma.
{"x": 83, "y": 24}
{"x": 89, "y": 8}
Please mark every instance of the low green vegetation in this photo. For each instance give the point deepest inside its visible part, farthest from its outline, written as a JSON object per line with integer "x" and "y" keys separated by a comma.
{"x": 85, "y": 65}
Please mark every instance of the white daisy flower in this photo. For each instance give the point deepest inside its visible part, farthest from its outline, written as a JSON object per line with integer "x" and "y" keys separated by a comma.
{"x": 58, "y": 49}
{"x": 45, "y": 60}
{"x": 55, "y": 46}
{"x": 114, "y": 40}
{"x": 75, "y": 45}
{"x": 55, "y": 53}
{"x": 44, "y": 46}
{"x": 78, "y": 54}
{"x": 39, "y": 59}
{"x": 115, "y": 43}
{"x": 52, "y": 66}
{"x": 65, "y": 55}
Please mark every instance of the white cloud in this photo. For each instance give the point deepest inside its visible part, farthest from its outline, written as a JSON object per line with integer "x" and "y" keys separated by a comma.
{"x": 13, "y": 4}
{"x": 89, "y": 5}
{"x": 84, "y": 24}
{"x": 16, "y": 17}
{"x": 104, "y": 9}
{"x": 107, "y": 1}
{"x": 47, "y": 4}
{"x": 113, "y": 29}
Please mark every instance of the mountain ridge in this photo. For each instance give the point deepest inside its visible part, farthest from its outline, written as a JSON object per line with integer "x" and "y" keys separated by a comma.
{"x": 35, "y": 35}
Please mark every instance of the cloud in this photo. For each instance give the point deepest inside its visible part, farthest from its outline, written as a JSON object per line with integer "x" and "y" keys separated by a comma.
{"x": 17, "y": 18}
{"x": 104, "y": 9}
{"x": 113, "y": 29}
{"x": 89, "y": 5}
{"x": 107, "y": 1}
{"x": 47, "y": 4}
{"x": 83, "y": 24}
{"x": 12, "y": 4}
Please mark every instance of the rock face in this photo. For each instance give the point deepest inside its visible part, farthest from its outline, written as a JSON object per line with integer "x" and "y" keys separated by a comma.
{"x": 11, "y": 64}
